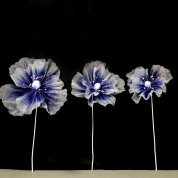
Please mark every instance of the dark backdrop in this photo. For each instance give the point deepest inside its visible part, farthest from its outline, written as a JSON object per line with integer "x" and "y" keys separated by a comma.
{"x": 72, "y": 33}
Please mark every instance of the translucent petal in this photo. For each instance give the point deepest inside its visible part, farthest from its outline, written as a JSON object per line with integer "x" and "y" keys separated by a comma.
{"x": 90, "y": 70}
{"x": 50, "y": 69}
{"x": 137, "y": 78}
{"x": 120, "y": 84}
{"x": 146, "y": 94}
{"x": 89, "y": 92}
{"x": 78, "y": 89}
{"x": 22, "y": 78}
{"x": 53, "y": 102}
{"x": 113, "y": 85}
{"x": 160, "y": 71}
{"x": 136, "y": 98}
{"x": 8, "y": 94}
{"x": 23, "y": 63}
{"x": 105, "y": 99}
{"x": 38, "y": 68}
{"x": 160, "y": 90}
{"x": 26, "y": 70}
{"x": 29, "y": 101}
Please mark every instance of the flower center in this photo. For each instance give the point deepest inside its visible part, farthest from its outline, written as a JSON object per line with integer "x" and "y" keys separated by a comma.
{"x": 36, "y": 84}
{"x": 97, "y": 86}
{"x": 148, "y": 84}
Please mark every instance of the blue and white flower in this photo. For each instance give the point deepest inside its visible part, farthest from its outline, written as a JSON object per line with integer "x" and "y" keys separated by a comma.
{"x": 97, "y": 84}
{"x": 144, "y": 84}
{"x": 37, "y": 84}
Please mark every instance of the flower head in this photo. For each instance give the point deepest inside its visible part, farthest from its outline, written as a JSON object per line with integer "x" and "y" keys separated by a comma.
{"x": 97, "y": 84}
{"x": 37, "y": 84}
{"x": 143, "y": 84}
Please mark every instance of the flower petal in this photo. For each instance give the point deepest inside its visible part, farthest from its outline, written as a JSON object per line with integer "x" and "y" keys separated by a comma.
{"x": 136, "y": 79}
{"x": 29, "y": 101}
{"x": 160, "y": 90}
{"x": 146, "y": 93}
{"x": 50, "y": 69}
{"x": 52, "y": 91}
{"x": 26, "y": 70}
{"x": 38, "y": 68}
{"x": 158, "y": 71}
{"x": 23, "y": 63}
{"x": 78, "y": 89}
{"x": 89, "y": 92}
{"x": 120, "y": 84}
{"x": 22, "y": 77}
{"x": 93, "y": 69}
{"x": 105, "y": 99}
{"x": 54, "y": 100}
{"x": 113, "y": 85}
{"x": 51, "y": 88}
{"x": 8, "y": 94}
{"x": 136, "y": 98}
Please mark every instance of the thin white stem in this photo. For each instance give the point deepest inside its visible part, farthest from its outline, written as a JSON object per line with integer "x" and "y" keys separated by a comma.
{"x": 92, "y": 136}
{"x": 34, "y": 132}
{"x": 153, "y": 133}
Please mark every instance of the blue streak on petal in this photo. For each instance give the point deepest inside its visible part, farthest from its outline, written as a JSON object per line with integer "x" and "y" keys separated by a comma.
{"x": 78, "y": 88}
{"x": 146, "y": 93}
{"x": 105, "y": 99}
{"x": 141, "y": 87}
{"x": 156, "y": 84}
{"x": 53, "y": 102}
{"x": 29, "y": 101}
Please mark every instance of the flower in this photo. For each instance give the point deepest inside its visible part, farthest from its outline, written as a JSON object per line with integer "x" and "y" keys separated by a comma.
{"x": 97, "y": 84}
{"x": 37, "y": 84}
{"x": 143, "y": 84}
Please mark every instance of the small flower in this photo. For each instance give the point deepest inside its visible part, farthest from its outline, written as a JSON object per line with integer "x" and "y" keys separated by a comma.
{"x": 37, "y": 84}
{"x": 143, "y": 84}
{"x": 97, "y": 84}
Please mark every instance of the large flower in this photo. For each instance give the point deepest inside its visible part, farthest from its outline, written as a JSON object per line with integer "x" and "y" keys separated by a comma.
{"x": 97, "y": 84}
{"x": 143, "y": 84}
{"x": 37, "y": 84}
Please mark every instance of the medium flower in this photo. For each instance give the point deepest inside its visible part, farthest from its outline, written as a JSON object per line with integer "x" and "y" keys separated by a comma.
{"x": 143, "y": 84}
{"x": 37, "y": 84}
{"x": 97, "y": 84}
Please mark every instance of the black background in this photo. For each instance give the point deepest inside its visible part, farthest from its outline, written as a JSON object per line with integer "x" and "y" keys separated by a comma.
{"x": 72, "y": 33}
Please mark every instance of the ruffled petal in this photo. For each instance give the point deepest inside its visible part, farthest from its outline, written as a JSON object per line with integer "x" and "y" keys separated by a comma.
{"x": 113, "y": 85}
{"x": 93, "y": 71}
{"x": 136, "y": 98}
{"x": 158, "y": 71}
{"x": 160, "y": 90}
{"x": 136, "y": 80}
{"x": 50, "y": 69}
{"x": 78, "y": 89}
{"x": 54, "y": 96}
{"x": 26, "y": 70}
{"x": 38, "y": 69}
{"x": 22, "y": 78}
{"x": 23, "y": 63}
{"x": 120, "y": 84}
{"x": 89, "y": 92}
{"x": 146, "y": 94}
{"x": 29, "y": 101}
{"x": 158, "y": 86}
{"x": 105, "y": 99}
{"x": 8, "y": 94}
{"x": 54, "y": 100}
